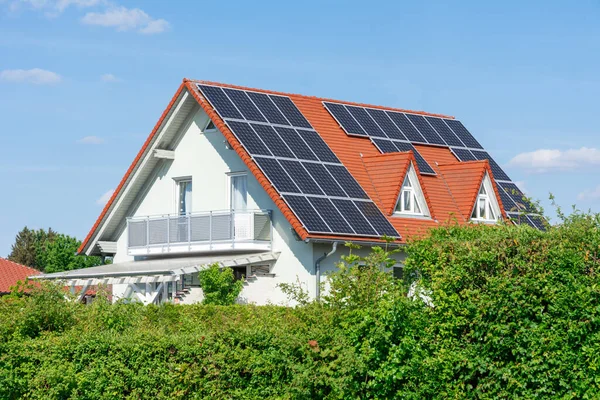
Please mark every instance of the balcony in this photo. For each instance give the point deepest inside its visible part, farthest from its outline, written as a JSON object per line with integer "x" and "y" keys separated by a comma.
{"x": 200, "y": 232}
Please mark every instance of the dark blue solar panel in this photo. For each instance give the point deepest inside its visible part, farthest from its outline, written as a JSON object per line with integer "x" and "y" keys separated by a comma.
{"x": 344, "y": 118}
{"x": 390, "y": 129}
{"x": 376, "y": 218}
{"x": 406, "y": 127}
{"x": 463, "y": 134}
{"x": 331, "y": 215}
{"x": 537, "y": 222}
{"x": 463, "y": 154}
{"x": 291, "y": 112}
{"x": 245, "y": 105}
{"x": 276, "y": 175}
{"x": 248, "y": 138}
{"x": 423, "y": 165}
{"x": 220, "y": 101}
{"x": 318, "y": 146}
{"x": 507, "y": 201}
{"x": 296, "y": 143}
{"x": 445, "y": 132}
{"x": 268, "y": 108}
{"x": 306, "y": 214}
{"x": 272, "y": 140}
{"x": 354, "y": 217}
{"x": 347, "y": 182}
{"x": 300, "y": 177}
{"x": 324, "y": 179}
{"x": 385, "y": 146}
{"x": 425, "y": 129}
{"x": 367, "y": 123}
{"x": 517, "y": 196}
{"x": 498, "y": 172}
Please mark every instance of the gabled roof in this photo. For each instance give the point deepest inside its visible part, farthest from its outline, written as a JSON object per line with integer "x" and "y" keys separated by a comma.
{"x": 358, "y": 154}
{"x": 11, "y": 273}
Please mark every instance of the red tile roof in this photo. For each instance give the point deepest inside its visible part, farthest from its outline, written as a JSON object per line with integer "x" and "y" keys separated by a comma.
{"x": 379, "y": 175}
{"x": 11, "y": 273}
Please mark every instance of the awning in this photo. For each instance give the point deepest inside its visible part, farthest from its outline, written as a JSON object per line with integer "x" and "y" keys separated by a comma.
{"x": 156, "y": 270}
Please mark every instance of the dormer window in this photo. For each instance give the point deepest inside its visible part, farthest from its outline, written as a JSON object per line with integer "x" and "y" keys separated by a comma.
{"x": 210, "y": 126}
{"x": 486, "y": 207}
{"x": 411, "y": 200}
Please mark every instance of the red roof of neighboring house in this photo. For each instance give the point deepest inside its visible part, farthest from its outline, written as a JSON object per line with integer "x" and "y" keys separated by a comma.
{"x": 380, "y": 175}
{"x": 11, "y": 273}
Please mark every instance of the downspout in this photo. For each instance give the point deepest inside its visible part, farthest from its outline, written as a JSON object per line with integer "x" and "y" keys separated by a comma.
{"x": 318, "y": 269}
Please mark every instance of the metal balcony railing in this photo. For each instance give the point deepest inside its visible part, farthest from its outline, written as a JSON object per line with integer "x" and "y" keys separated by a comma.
{"x": 209, "y": 230}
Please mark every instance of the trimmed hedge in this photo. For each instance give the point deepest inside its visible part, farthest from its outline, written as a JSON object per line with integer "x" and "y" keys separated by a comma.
{"x": 516, "y": 315}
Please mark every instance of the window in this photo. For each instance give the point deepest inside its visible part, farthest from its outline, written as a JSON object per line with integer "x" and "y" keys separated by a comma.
{"x": 238, "y": 191}
{"x": 210, "y": 126}
{"x": 486, "y": 207}
{"x": 184, "y": 196}
{"x": 411, "y": 200}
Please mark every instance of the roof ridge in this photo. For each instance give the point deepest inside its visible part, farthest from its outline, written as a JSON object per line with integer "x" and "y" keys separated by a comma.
{"x": 352, "y": 103}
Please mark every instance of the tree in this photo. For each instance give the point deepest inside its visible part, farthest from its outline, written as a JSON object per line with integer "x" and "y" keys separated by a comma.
{"x": 49, "y": 251}
{"x": 219, "y": 285}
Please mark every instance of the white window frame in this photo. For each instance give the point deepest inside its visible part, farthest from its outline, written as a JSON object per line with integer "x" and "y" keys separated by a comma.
{"x": 230, "y": 176}
{"x": 177, "y": 183}
{"x": 491, "y": 203}
{"x": 416, "y": 194}
{"x": 206, "y": 128}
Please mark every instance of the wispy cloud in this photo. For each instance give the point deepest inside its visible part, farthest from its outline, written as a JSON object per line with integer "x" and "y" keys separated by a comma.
{"x": 53, "y": 8}
{"x": 91, "y": 140}
{"x": 590, "y": 194}
{"x": 105, "y": 197}
{"x": 126, "y": 19}
{"x": 36, "y": 76}
{"x": 548, "y": 160}
{"x": 109, "y": 78}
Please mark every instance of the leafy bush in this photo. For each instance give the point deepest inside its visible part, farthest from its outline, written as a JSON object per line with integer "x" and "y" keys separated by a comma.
{"x": 515, "y": 314}
{"x": 219, "y": 285}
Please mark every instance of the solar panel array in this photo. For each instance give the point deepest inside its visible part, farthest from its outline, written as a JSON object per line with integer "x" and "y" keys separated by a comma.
{"x": 393, "y": 131}
{"x": 299, "y": 164}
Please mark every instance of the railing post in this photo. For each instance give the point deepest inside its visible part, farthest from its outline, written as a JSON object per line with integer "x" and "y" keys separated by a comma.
{"x": 147, "y": 234}
{"x": 168, "y": 232}
{"x": 189, "y": 232}
{"x": 210, "y": 223}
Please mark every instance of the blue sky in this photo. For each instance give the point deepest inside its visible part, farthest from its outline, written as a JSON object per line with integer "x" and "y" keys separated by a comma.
{"x": 82, "y": 83}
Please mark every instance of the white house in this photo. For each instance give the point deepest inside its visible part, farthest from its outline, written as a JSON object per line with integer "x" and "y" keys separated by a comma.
{"x": 272, "y": 185}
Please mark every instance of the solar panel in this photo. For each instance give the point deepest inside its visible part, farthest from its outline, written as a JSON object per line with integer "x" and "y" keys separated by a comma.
{"x": 374, "y": 216}
{"x": 463, "y": 154}
{"x": 343, "y": 117}
{"x": 318, "y": 146}
{"x": 296, "y": 143}
{"x": 537, "y": 222}
{"x": 388, "y": 126}
{"x": 332, "y": 216}
{"x": 347, "y": 182}
{"x": 220, "y": 102}
{"x": 249, "y": 138}
{"x": 425, "y": 129}
{"x": 507, "y": 202}
{"x": 273, "y": 170}
{"x": 268, "y": 108}
{"x": 309, "y": 217}
{"x": 367, "y": 123}
{"x": 463, "y": 134}
{"x": 244, "y": 105}
{"x": 276, "y": 144}
{"x": 445, "y": 132}
{"x": 300, "y": 177}
{"x": 355, "y": 218}
{"x": 406, "y": 127}
{"x": 498, "y": 172}
{"x": 291, "y": 112}
{"x": 384, "y": 146}
{"x": 324, "y": 179}
{"x": 517, "y": 196}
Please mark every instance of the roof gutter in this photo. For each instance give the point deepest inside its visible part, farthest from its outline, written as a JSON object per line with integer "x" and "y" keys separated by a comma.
{"x": 359, "y": 242}
{"x": 318, "y": 270}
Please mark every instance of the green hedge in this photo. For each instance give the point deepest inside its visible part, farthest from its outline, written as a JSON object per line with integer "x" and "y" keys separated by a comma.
{"x": 516, "y": 314}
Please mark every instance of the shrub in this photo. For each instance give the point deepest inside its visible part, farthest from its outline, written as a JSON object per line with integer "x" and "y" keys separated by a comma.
{"x": 219, "y": 285}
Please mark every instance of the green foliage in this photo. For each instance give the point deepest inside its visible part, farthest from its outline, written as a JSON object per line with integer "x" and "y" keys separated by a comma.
{"x": 516, "y": 314}
{"x": 219, "y": 285}
{"x": 49, "y": 251}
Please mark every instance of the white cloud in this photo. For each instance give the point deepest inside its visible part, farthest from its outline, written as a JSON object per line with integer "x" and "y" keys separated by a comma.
{"x": 91, "y": 140}
{"x": 590, "y": 194}
{"x": 36, "y": 76}
{"x": 109, "y": 78}
{"x": 126, "y": 19}
{"x": 105, "y": 198}
{"x": 521, "y": 185}
{"x": 547, "y": 160}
